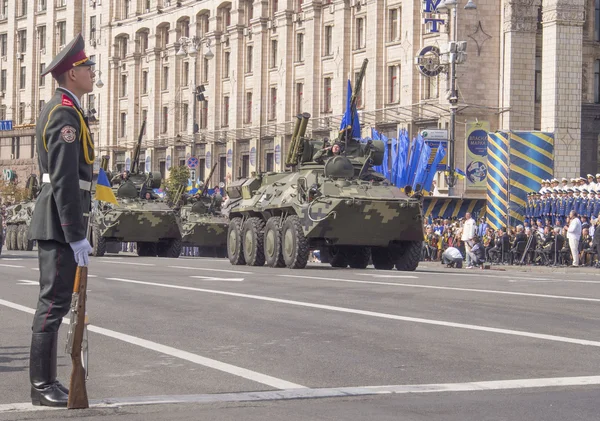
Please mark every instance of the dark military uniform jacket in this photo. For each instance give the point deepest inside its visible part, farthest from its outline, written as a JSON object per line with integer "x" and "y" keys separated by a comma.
{"x": 64, "y": 153}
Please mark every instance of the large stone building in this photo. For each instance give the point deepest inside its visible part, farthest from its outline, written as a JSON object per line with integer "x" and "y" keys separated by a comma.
{"x": 532, "y": 65}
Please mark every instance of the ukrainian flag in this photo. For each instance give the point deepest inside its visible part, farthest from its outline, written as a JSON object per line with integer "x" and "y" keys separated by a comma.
{"x": 104, "y": 191}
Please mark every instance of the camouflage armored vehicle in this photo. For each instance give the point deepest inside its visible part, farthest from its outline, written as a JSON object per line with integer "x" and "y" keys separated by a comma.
{"x": 339, "y": 205}
{"x": 1, "y": 233}
{"x": 150, "y": 223}
{"x": 19, "y": 218}
{"x": 203, "y": 225}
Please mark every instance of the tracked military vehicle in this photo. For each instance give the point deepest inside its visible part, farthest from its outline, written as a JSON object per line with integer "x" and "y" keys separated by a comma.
{"x": 152, "y": 224}
{"x": 336, "y": 203}
{"x": 19, "y": 218}
{"x": 203, "y": 225}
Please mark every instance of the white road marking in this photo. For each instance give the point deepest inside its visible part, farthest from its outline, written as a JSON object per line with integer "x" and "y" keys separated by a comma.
{"x": 333, "y": 392}
{"x": 392, "y": 276}
{"x": 178, "y": 353}
{"x": 38, "y": 269}
{"x": 123, "y": 263}
{"x": 11, "y": 258}
{"x": 208, "y": 278}
{"x": 211, "y": 270}
{"x": 11, "y": 266}
{"x": 484, "y": 291}
{"x": 26, "y": 282}
{"x": 480, "y": 328}
{"x": 479, "y": 275}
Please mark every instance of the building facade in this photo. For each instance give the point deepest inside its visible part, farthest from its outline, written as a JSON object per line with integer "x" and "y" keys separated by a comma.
{"x": 224, "y": 81}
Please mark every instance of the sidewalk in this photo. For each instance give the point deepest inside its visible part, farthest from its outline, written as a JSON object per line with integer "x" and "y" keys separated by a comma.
{"x": 524, "y": 269}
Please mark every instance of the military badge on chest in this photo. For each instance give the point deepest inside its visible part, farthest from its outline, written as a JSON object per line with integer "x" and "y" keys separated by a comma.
{"x": 68, "y": 134}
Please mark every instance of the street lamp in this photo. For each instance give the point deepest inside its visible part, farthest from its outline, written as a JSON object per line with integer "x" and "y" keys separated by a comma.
{"x": 99, "y": 82}
{"x": 457, "y": 55}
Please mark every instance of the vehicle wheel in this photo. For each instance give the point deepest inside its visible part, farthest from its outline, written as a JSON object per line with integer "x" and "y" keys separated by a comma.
{"x": 28, "y": 244}
{"x": 358, "y": 257}
{"x": 407, "y": 255}
{"x": 146, "y": 249}
{"x": 20, "y": 237}
{"x": 14, "y": 240}
{"x": 235, "y": 250}
{"x": 8, "y": 238}
{"x": 382, "y": 258}
{"x": 272, "y": 243}
{"x": 98, "y": 243}
{"x": 295, "y": 245}
{"x": 337, "y": 256}
{"x": 253, "y": 235}
{"x": 171, "y": 248}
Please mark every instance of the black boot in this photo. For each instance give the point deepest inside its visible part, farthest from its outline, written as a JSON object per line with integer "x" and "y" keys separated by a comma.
{"x": 45, "y": 389}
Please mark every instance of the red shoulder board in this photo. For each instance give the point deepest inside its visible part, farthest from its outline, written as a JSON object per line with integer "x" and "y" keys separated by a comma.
{"x": 67, "y": 101}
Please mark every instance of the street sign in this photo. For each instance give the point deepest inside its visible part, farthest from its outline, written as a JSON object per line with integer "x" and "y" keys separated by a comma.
{"x": 434, "y": 134}
{"x": 192, "y": 162}
{"x": 6, "y": 125}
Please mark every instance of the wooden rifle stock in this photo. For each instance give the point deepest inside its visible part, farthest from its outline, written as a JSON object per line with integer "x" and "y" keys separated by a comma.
{"x": 78, "y": 398}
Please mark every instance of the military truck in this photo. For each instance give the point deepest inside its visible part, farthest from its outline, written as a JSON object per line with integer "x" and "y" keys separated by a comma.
{"x": 19, "y": 218}
{"x": 337, "y": 204}
{"x": 150, "y": 223}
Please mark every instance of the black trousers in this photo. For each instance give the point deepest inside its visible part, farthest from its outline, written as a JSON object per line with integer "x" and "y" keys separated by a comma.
{"x": 57, "y": 276}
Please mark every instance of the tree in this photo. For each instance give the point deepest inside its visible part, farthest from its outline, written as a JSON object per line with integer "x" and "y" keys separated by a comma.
{"x": 178, "y": 177}
{"x": 10, "y": 191}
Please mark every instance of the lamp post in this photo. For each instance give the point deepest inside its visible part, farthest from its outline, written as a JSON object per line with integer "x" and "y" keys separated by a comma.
{"x": 457, "y": 55}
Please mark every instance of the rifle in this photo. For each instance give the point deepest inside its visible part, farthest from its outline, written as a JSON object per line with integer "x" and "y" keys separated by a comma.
{"x": 77, "y": 335}
{"x": 205, "y": 188}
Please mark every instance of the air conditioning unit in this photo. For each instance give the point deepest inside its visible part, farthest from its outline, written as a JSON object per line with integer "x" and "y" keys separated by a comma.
{"x": 331, "y": 8}
{"x": 20, "y": 56}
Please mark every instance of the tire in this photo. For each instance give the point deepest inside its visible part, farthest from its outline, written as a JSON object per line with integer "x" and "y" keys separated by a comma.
{"x": 170, "y": 249}
{"x": 272, "y": 243}
{"x": 27, "y": 243}
{"x": 358, "y": 257}
{"x": 14, "y": 238}
{"x": 8, "y": 239}
{"x": 146, "y": 249}
{"x": 337, "y": 256}
{"x": 98, "y": 243}
{"x": 382, "y": 258}
{"x": 20, "y": 238}
{"x": 235, "y": 250}
{"x": 253, "y": 237}
{"x": 407, "y": 255}
{"x": 295, "y": 247}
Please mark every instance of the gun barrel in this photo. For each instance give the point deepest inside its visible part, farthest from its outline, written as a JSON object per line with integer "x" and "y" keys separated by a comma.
{"x": 104, "y": 162}
{"x": 205, "y": 188}
{"x": 289, "y": 160}
{"x": 138, "y": 147}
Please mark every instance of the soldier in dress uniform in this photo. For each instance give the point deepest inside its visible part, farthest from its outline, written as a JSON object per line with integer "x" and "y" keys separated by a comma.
{"x": 537, "y": 212}
{"x": 528, "y": 209}
{"x": 564, "y": 183}
{"x": 59, "y": 223}
{"x": 562, "y": 202}
{"x": 576, "y": 199}
{"x": 570, "y": 201}
{"x": 547, "y": 204}
{"x": 591, "y": 182}
{"x": 591, "y": 204}
{"x": 583, "y": 204}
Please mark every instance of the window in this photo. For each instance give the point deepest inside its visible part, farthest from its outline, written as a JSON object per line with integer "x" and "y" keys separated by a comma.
{"x": 274, "y": 7}
{"x": 299, "y": 5}
{"x": 42, "y": 78}
{"x": 147, "y": 5}
{"x": 249, "y": 12}
{"x": 123, "y": 85}
{"x": 203, "y": 25}
{"x": 203, "y": 114}
{"x": 3, "y": 44}
{"x": 538, "y": 80}
{"x": 273, "y": 63}
{"x": 430, "y": 87}
{"x": 273, "y": 109}
{"x": 185, "y": 73}
{"x": 143, "y": 37}
{"x": 225, "y": 111}
{"x": 226, "y": 64}
{"x": 3, "y": 112}
{"x": 5, "y": 8}
{"x": 42, "y": 37}
{"x": 270, "y": 161}
{"x": 359, "y": 95}
{"x": 597, "y": 21}
{"x": 41, "y": 105}
{"x": 393, "y": 84}
{"x": 23, "y": 78}
{"x": 327, "y": 95}
{"x": 227, "y": 16}
{"x": 299, "y": 92}
{"x": 126, "y": 8}
{"x": 165, "y": 119}
{"x": 93, "y": 58}
{"x": 184, "y": 116}
{"x": 360, "y": 32}
{"x": 123, "y": 131}
{"x": 300, "y": 47}
{"x": 23, "y": 8}
{"x": 122, "y": 47}
{"x": 61, "y": 32}
{"x": 61, "y": 3}
{"x": 165, "y": 78}
{"x": 22, "y": 38}
{"x": 41, "y": 5}
{"x": 245, "y": 169}
{"x": 222, "y": 168}
{"x": 3, "y": 80}
{"x": 393, "y": 20}
{"x": 145, "y": 82}
{"x": 204, "y": 70}
{"x": 249, "y": 51}
{"x": 248, "y": 116}
{"x": 597, "y": 81}
{"x": 145, "y": 114}
{"x": 92, "y": 27}
{"x": 328, "y": 47}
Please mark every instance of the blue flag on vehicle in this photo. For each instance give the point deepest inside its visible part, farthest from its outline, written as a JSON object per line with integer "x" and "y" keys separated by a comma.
{"x": 400, "y": 169}
{"x": 349, "y": 120}
{"x": 415, "y": 155}
{"x": 421, "y": 171}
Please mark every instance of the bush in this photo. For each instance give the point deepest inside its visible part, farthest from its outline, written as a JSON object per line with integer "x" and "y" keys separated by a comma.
{"x": 178, "y": 177}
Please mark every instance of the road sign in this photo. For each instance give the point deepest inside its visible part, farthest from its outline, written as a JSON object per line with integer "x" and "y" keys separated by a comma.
{"x": 434, "y": 134}
{"x": 192, "y": 162}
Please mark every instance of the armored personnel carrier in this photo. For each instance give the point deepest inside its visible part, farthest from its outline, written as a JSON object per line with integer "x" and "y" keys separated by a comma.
{"x": 334, "y": 202}
{"x": 150, "y": 223}
{"x": 19, "y": 218}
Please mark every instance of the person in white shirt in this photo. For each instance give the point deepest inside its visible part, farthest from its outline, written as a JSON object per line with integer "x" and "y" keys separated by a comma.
{"x": 468, "y": 232}
{"x": 451, "y": 257}
{"x": 574, "y": 234}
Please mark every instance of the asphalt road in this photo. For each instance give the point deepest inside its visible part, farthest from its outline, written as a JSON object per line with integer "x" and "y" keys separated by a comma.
{"x": 195, "y": 338}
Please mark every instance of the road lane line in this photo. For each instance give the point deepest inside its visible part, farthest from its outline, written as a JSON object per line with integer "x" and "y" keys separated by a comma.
{"x": 26, "y": 282}
{"x": 480, "y": 328}
{"x": 330, "y": 392}
{"x": 10, "y": 266}
{"x": 211, "y": 270}
{"x": 484, "y": 291}
{"x": 178, "y": 353}
{"x": 209, "y": 278}
{"x": 480, "y": 275}
{"x": 119, "y": 262}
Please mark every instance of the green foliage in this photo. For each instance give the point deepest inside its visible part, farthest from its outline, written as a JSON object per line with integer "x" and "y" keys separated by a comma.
{"x": 11, "y": 192}
{"x": 178, "y": 177}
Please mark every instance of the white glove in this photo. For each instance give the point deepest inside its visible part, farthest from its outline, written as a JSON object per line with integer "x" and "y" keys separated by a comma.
{"x": 81, "y": 249}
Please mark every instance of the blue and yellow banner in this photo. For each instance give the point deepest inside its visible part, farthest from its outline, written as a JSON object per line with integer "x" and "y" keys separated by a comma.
{"x": 444, "y": 207}
{"x": 498, "y": 159}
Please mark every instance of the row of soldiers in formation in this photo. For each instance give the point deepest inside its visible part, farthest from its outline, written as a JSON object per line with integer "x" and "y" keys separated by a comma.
{"x": 555, "y": 203}
{"x": 589, "y": 183}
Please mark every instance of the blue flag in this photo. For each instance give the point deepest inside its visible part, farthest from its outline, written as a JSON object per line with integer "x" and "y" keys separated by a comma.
{"x": 386, "y": 158}
{"x": 415, "y": 155}
{"x": 439, "y": 156}
{"x": 400, "y": 170}
{"x": 421, "y": 171}
{"x": 349, "y": 120}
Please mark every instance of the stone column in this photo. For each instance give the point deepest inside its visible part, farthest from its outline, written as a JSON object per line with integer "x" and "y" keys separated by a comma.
{"x": 561, "y": 81}
{"x": 518, "y": 88}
